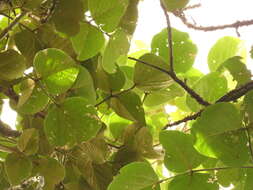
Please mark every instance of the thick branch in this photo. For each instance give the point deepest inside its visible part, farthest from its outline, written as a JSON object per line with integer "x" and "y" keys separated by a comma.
{"x": 6, "y": 131}
{"x": 230, "y": 96}
{"x": 235, "y": 25}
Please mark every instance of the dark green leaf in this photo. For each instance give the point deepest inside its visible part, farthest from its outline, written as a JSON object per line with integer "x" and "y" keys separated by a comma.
{"x": 147, "y": 78}
{"x": 67, "y": 16}
{"x": 12, "y": 65}
{"x": 73, "y": 121}
{"x": 28, "y": 142}
{"x": 129, "y": 106}
{"x": 18, "y": 168}
{"x": 193, "y": 182}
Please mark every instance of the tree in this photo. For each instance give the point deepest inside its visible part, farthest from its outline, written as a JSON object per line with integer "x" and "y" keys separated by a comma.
{"x": 91, "y": 116}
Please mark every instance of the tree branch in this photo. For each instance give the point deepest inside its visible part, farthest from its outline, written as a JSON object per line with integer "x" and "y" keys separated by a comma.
{"x": 6, "y": 130}
{"x": 190, "y": 91}
{"x": 230, "y": 96}
{"x": 180, "y": 14}
{"x": 14, "y": 23}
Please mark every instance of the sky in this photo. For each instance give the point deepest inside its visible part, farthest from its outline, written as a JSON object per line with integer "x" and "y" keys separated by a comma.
{"x": 212, "y": 12}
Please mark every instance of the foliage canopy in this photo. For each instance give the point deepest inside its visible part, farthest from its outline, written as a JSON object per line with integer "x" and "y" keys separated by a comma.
{"x": 91, "y": 115}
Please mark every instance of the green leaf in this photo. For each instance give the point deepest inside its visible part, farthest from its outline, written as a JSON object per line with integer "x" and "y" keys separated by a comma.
{"x": 108, "y": 15}
{"x": 88, "y": 42}
{"x": 73, "y": 121}
{"x": 84, "y": 86}
{"x": 172, "y": 5}
{"x": 238, "y": 70}
{"x": 219, "y": 134}
{"x": 227, "y": 177}
{"x": 249, "y": 182}
{"x": 28, "y": 142}
{"x": 67, "y": 16}
{"x": 223, "y": 49}
{"x": 129, "y": 106}
{"x": 118, "y": 45}
{"x": 134, "y": 176}
{"x": 32, "y": 100}
{"x": 17, "y": 168}
{"x": 193, "y": 182}
{"x": 52, "y": 171}
{"x": 110, "y": 82}
{"x": 12, "y": 65}
{"x": 57, "y": 70}
{"x": 180, "y": 155}
{"x": 184, "y": 50}
{"x": 211, "y": 87}
{"x": 28, "y": 44}
{"x": 147, "y": 78}
{"x": 129, "y": 20}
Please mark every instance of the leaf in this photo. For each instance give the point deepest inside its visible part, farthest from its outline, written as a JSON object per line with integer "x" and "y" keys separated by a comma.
{"x": 110, "y": 82}
{"x": 118, "y": 45}
{"x": 180, "y": 155}
{"x": 129, "y": 106}
{"x": 17, "y": 168}
{"x": 88, "y": 42}
{"x": 129, "y": 20}
{"x": 134, "y": 176}
{"x": 149, "y": 79}
{"x": 12, "y": 65}
{"x": 28, "y": 142}
{"x": 159, "y": 97}
{"x": 227, "y": 177}
{"x": 223, "y": 49}
{"x": 57, "y": 70}
{"x": 84, "y": 86}
{"x": 52, "y": 171}
{"x": 219, "y": 134}
{"x": 32, "y": 99}
{"x": 108, "y": 15}
{"x": 193, "y": 182}
{"x": 172, "y": 5}
{"x": 68, "y": 14}
{"x": 238, "y": 70}
{"x": 184, "y": 49}
{"x": 28, "y": 44}
{"x": 218, "y": 84}
{"x": 74, "y": 121}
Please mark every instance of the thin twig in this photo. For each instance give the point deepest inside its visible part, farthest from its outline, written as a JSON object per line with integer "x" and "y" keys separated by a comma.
{"x": 115, "y": 95}
{"x": 169, "y": 29}
{"x": 235, "y": 25}
{"x": 14, "y": 23}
